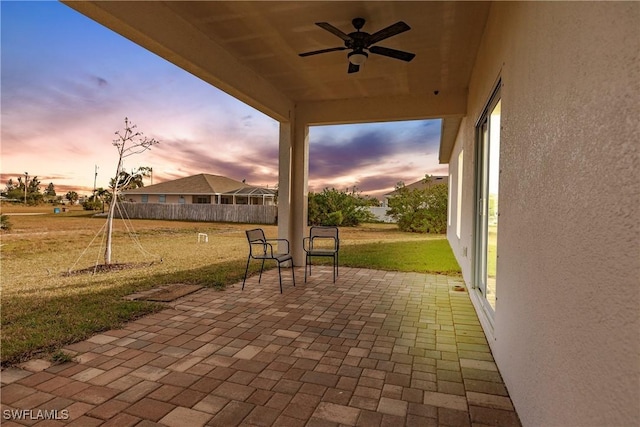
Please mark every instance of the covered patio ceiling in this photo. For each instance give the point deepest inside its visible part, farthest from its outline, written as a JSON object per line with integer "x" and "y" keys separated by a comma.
{"x": 250, "y": 50}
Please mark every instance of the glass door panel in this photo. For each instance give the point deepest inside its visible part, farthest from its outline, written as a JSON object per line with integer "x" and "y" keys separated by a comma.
{"x": 487, "y": 190}
{"x": 492, "y": 203}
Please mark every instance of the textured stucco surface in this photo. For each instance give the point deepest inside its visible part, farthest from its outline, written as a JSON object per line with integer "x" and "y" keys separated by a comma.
{"x": 566, "y": 329}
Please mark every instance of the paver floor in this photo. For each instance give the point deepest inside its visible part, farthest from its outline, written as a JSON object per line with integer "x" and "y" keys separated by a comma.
{"x": 374, "y": 349}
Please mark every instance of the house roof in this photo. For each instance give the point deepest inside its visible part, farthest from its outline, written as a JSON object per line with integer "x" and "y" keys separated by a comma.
{"x": 419, "y": 185}
{"x": 201, "y": 184}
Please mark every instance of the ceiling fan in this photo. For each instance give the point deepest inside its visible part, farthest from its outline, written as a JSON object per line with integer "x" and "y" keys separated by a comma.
{"x": 359, "y": 42}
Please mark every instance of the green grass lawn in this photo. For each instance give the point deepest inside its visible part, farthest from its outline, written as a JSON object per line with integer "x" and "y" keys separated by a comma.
{"x": 39, "y": 323}
{"x": 43, "y": 308}
{"x": 426, "y": 256}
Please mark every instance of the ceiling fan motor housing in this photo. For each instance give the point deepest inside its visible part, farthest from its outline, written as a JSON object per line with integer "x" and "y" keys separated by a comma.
{"x": 358, "y": 40}
{"x": 358, "y": 23}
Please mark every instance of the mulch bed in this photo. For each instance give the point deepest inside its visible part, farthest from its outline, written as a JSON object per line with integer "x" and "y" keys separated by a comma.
{"x": 105, "y": 268}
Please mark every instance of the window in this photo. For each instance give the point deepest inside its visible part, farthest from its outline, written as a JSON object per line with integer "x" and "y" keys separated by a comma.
{"x": 201, "y": 200}
{"x": 145, "y": 198}
{"x": 181, "y": 200}
{"x": 162, "y": 198}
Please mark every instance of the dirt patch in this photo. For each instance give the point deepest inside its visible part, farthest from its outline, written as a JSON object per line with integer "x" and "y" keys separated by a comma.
{"x": 105, "y": 268}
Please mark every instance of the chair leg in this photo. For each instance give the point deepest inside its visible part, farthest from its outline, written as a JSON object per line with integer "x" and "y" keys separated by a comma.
{"x": 261, "y": 268}
{"x": 246, "y": 270}
{"x": 334, "y": 269}
{"x": 280, "y": 277}
{"x": 306, "y": 263}
{"x": 293, "y": 274}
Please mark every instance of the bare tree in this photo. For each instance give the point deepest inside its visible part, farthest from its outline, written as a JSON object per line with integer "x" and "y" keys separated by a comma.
{"x": 128, "y": 143}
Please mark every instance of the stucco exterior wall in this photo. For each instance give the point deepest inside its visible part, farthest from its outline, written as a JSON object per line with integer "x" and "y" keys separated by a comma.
{"x": 565, "y": 333}
{"x": 462, "y": 246}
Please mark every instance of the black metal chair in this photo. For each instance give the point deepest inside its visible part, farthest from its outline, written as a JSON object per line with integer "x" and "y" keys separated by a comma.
{"x": 261, "y": 248}
{"x": 323, "y": 241}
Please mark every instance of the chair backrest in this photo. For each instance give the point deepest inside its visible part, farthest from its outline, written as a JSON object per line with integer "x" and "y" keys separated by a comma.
{"x": 324, "y": 234}
{"x": 256, "y": 238}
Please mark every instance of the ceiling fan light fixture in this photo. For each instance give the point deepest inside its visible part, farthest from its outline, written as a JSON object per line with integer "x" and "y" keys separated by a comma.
{"x": 358, "y": 57}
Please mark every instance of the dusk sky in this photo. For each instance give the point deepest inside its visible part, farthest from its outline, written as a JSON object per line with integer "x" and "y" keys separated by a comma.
{"x": 67, "y": 83}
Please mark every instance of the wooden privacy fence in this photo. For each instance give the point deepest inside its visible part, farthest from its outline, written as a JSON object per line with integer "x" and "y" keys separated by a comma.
{"x": 248, "y": 214}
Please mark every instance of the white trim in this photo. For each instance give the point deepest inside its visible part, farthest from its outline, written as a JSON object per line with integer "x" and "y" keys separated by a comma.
{"x": 486, "y": 321}
{"x": 459, "y": 194}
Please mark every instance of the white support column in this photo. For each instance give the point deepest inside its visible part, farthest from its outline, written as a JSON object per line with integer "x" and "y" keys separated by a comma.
{"x": 292, "y": 185}
{"x": 284, "y": 179}
{"x": 299, "y": 189}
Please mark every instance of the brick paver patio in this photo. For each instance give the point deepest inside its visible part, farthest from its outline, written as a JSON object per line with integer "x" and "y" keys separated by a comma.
{"x": 374, "y": 349}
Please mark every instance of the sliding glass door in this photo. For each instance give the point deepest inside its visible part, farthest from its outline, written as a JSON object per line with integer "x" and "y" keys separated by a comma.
{"x": 487, "y": 203}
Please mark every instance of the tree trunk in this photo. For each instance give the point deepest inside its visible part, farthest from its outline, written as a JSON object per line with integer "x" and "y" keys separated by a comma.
{"x": 107, "y": 251}
{"x": 112, "y": 208}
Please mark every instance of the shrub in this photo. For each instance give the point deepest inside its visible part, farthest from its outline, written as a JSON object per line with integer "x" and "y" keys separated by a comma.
{"x": 92, "y": 205}
{"x": 5, "y": 224}
{"x": 334, "y": 218}
{"x": 420, "y": 209}
{"x": 338, "y": 208}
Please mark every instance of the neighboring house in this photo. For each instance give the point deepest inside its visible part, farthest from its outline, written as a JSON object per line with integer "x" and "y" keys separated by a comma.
{"x": 417, "y": 185}
{"x": 202, "y": 189}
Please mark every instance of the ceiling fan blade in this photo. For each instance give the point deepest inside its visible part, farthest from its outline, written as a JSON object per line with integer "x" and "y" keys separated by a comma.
{"x": 391, "y": 30}
{"x": 392, "y": 53}
{"x": 353, "y": 68}
{"x": 333, "y": 30}
{"x": 315, "y": 52}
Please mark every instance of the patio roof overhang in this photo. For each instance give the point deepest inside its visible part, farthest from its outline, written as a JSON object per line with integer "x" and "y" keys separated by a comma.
{"x": 250, "y": 51}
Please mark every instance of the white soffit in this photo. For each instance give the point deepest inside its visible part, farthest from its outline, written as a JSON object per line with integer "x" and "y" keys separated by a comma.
{"x": 250, "y": 50}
